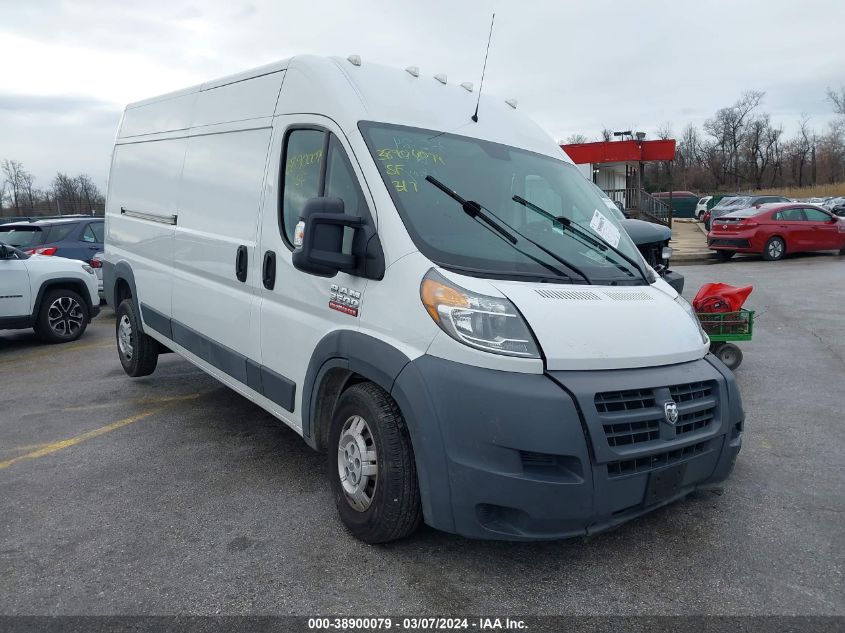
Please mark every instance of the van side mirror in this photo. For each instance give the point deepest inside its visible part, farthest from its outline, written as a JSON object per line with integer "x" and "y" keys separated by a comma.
{"x": 319, "y": 238}
{"x": 5, "y": 252}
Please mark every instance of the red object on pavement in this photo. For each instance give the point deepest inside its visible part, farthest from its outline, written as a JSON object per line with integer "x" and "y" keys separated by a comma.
{"x": 716, "y": 297}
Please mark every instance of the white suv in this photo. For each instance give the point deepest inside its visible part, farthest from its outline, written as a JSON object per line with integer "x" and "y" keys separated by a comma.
{"x": 55, "y": 296}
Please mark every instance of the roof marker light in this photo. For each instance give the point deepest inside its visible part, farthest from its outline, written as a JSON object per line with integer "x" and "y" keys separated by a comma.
{"x": 355, "y": 60}
{"x": 512, "y": 103}
{"x": 467, "y": 85}
{"x": 414, "y": 71}
{"x": 441, "y": 78}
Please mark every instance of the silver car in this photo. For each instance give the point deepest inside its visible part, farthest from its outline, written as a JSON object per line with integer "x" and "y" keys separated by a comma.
{"x": 729, "y": 205}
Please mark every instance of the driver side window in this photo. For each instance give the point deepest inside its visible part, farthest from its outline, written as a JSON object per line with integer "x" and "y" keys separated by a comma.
{"x": 317, "y": 165}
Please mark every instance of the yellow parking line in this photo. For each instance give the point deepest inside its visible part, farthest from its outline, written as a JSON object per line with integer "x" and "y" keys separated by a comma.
{"x": 27, "y": 447}
{"x": 73, "y": 441}
{"x": 53, "y": 350}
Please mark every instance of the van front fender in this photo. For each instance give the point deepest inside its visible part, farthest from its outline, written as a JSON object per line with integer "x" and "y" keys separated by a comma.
{"x": 346, "y": 355}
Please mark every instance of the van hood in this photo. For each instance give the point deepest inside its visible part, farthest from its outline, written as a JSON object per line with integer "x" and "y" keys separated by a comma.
{"x": 606, "y": 327}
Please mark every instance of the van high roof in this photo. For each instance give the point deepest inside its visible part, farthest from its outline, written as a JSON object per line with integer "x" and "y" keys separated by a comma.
{"x": 346, "y": 90}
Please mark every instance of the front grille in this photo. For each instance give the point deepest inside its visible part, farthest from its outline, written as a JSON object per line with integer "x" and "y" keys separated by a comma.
{"x": 631, "y": 432}
{"x": 652, "y": 253}
{"x": 611, "y": 401}
{"x": 658, "y": 460}
{"x": 635, "y": 416}
{"x": 690, "y": 391}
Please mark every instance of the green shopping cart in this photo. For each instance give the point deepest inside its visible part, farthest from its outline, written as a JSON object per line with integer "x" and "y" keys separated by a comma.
{"x": 724, "y": 328}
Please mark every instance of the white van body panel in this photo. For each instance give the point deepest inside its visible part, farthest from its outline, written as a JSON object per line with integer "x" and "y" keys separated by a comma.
{"x": 149, "y": 245}
{"x": 294, "y": 315}
{"x": 588, "y": 327}
{"x": 219, "y": 202}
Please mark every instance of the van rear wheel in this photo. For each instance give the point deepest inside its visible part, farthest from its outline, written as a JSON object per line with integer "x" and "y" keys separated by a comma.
{"x": 138, "y": 352}
{"x": 371, "y": 466}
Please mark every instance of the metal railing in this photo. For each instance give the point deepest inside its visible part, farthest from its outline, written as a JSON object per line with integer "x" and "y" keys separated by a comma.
{"x": 643, "y": 203}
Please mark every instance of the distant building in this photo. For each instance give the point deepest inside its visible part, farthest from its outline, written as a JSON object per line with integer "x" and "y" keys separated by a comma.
{"x": 617, "y": 167}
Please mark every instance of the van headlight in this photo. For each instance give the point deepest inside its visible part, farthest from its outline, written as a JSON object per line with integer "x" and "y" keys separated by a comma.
{"x": 689, "y": 310}
{"x": 491, "y": 324}
{"x": 87, "y": 269}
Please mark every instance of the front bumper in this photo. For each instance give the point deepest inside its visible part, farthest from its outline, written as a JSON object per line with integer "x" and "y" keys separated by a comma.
{"x": 524, "y": 456}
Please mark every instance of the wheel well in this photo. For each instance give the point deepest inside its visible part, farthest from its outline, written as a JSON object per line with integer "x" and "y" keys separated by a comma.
{"x": 334, "y": 383}
{"x": 780, "y": 237}
{"x": 62, "y": 284}
{"x": 121, "y": 291}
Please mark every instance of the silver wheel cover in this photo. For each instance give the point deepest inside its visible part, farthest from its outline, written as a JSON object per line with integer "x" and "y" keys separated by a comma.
{"x": 357, "y": 463}
{"x": 124, "y": 337}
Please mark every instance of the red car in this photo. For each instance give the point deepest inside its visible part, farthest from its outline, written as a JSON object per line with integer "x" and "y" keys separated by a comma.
{"x": 776, "y": 229}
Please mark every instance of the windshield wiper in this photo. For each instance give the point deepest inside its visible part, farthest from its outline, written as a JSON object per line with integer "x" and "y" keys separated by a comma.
{"x": 596, "y": 240}
{"x": 473, "y": 210}
{"x": 476, "y": 211}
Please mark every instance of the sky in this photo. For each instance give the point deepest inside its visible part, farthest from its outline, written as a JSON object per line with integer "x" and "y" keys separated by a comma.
{"x": 575, "y": 67}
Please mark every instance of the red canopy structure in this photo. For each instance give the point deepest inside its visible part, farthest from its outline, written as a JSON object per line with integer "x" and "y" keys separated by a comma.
{"x": 620, "y": 151}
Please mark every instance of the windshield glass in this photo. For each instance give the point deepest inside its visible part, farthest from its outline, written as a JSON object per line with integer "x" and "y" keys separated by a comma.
{"x": 728, "y": 203}
{"x": 17, "y": 236}
{"x": 491, "y": 174}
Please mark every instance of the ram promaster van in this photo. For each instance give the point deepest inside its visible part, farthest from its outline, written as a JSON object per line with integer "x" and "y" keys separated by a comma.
{"x": 445, "y": 307}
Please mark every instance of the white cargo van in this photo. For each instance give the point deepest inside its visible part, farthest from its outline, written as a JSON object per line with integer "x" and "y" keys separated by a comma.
{"x": 444, "y": 306}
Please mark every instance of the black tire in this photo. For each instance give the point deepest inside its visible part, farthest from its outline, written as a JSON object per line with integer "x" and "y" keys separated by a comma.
{"x": 774, "y": 250}
{"x": 140, "y": 356}
{"x": 394, "y": 510}
{"x": 62, "y": 317}
{"x": 730, "y": 355}
{"x": 724, "y": 256}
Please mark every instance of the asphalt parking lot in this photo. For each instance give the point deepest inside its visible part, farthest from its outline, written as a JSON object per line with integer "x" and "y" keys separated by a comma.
{"x": 173, "y": 494}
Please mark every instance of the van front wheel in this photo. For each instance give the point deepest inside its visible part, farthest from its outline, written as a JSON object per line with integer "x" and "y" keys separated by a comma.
{"x": 371, "y": 466}
{"x": 138, "y": 352}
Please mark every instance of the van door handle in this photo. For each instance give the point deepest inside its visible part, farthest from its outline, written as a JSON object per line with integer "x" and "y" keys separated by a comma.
{"x": 268, "y": 270}
{"x": 241, "y": 263}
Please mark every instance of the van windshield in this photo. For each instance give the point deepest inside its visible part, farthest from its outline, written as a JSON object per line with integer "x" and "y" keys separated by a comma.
{"x": 491, "y": 174}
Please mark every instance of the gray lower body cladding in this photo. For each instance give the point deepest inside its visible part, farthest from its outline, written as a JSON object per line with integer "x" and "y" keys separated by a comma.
{"x": 525, "y": 456}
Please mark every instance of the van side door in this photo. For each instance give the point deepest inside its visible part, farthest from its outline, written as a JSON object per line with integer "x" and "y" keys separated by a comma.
{"x": 310, "y": 157}
{"x": 215, "y": 293}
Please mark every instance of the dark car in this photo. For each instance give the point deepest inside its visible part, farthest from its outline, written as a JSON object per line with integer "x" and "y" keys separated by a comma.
{"x": 774, "y": 230}
{"x": 74, "y": 238}
{"x": 652, "y": 240}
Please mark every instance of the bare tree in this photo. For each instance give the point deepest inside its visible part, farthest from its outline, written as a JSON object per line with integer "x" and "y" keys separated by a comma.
{"x": 837, "y": 99}
{"x": 606, "y": 134}
{"x": 14, "y": 180}
{"x": 729, "y": 129}
{"x": 76, "y": 194}
{"x": 574, "y": 139}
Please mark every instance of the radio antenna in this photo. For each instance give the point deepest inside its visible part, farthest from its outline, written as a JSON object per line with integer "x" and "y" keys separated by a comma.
{"x": 483, "y": 70}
